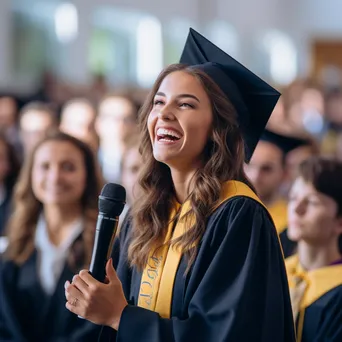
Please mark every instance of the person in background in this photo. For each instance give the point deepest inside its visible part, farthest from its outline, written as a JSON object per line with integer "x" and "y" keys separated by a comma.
{"x": 330, "y": 143}
{"x": 9, "y": 171}
{"x": 116, "y": 125}
{"x": 306, "y": 148}
{"x": 315, "y": 271}
{"x": 78, "y": 119}
{"x": 8, "y": 121}
{"x": 36, "y": 119}
{"x": 304, "y": 106}
{"x": 50, "y": 236}
{"x": 131, "y": 166}
{"x": 267, "y": 171}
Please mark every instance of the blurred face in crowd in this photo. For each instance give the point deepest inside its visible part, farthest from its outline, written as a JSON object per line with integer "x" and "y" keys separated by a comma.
{"x": 308, "y": 112}
{"x": 130, "y": 171}
{"x": 78, "y": 120}
{"x": 34, "y": 125}
{"x": 58, "y": 173}
{"x": 312, "y": 215}
{"x": 180, "y": 121}
{"x": 266, "y": 170}
{"x": 116, "y": 120}
{"x": 294, "y": 158}
{"x": 4, "y": 161}
{"x": 8, "y": 109}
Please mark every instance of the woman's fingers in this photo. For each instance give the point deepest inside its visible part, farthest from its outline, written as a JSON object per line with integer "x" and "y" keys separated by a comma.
{"x": 72, "y": 293}
{"x": 87, "y": 278}
{"x": 79, "y": 283}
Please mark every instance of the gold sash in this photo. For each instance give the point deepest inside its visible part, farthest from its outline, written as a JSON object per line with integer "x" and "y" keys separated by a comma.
{"x": 159, "y": 274}
{"x": 308, "y": 286}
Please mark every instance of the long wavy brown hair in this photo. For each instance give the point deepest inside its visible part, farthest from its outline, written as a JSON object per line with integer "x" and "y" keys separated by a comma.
{"x": 27, "y": 208}
{"x": 223, "y": 160}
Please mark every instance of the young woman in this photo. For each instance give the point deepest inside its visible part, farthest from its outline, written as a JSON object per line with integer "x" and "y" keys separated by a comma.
{"x": 315, "y": 272}
{"x": 200, "y": 259}
{"x": 9, "y": 170}
{"x": 50, "y": 237}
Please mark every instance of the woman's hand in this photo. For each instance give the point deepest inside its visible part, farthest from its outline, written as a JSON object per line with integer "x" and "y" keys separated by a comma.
{"x": 99, "y": 303}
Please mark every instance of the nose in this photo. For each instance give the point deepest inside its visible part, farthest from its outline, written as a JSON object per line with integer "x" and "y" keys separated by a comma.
{"x": 54, "y": 174}
{"x": 299, "y": 207}
{"x": 166, "y": 114}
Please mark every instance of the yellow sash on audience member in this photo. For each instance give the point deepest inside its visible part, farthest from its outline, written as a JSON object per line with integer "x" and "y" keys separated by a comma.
{"x": 158, "y": 278}
{"x": 308, "y": 286}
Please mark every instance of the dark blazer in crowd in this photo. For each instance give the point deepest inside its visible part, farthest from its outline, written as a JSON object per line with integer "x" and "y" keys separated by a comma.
{"x": 28, "y": 314}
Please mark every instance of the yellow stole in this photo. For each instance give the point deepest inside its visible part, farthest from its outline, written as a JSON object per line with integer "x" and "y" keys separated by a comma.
{"x": 278, "y": 211}
{"x": 159, "y": 274}
{"x": 308, "y": 286}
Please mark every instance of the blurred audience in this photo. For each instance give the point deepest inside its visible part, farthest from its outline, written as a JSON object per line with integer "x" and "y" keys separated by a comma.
{"x": 35, "y": 121}
{"x": 304, "y": 108}
{"x": 9, "y": 170}
{"x": 8, "y": 120}
{"x": 116, "y": 125}
{"x": 315, "y": 272}
{"x": 50, "y": 238}
{"x": 131, "y": 165}
{"x": 267, "y": 171}
{"x": 78, "y": 119}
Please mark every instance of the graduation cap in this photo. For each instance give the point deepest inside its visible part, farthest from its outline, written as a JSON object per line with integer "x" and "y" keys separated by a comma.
{"x": 285, "y": 143}
{"x": 252, "y": 98}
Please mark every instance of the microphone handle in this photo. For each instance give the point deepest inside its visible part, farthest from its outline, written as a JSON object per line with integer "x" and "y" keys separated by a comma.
{"x": 105, "y": 232}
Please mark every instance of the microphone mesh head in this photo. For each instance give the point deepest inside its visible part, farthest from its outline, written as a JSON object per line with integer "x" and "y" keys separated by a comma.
{"x": 112, "y": 199}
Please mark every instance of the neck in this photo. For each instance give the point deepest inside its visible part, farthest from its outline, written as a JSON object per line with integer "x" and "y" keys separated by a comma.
{"x": 314, "y": 257}
{"x": 182, "y": 183}
{"x": 58, "y": 220}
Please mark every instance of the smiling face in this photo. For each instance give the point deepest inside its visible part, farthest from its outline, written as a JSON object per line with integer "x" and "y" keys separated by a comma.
{"x": 58, "y": 173}
{"x": 180, "y": 121}
{"x": 312, "y": 215}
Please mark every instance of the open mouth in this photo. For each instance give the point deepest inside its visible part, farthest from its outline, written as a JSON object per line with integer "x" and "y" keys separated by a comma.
{"x": 167, "y": 135}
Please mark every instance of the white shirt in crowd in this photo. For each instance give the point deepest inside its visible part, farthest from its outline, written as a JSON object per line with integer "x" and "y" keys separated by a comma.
{"x": 51, "y": 258}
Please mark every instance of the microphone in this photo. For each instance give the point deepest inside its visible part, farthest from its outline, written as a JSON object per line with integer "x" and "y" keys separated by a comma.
{"x": 111, "y": 203}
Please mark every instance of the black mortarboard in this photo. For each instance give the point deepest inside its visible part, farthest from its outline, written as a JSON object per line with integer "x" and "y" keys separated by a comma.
{"x": 285, "y": 143}
{"x": 252, "y": 98}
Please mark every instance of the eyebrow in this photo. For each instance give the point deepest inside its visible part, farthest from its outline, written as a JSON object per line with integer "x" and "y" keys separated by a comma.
{"x": 181, "y": 95}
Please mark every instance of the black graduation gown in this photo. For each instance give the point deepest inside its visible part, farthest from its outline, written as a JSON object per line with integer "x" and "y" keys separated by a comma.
{"x": 236, "y": 291}
{"x": 323, "y": 318}
{"x": 27, "y": 314}
{"x": 289, "y": 247}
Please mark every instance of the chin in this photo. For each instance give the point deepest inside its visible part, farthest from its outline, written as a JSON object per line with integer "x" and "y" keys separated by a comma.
{"x": 165, "y": 158}
{"x": 294, "y": 234}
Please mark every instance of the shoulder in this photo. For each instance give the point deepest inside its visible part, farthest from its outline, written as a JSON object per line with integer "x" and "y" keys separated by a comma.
{"x": 241, "y": 206}
{"x": 242, "y": 217}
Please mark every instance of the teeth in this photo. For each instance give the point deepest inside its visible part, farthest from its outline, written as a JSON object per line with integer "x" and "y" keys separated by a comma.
{"x": 163, "y": 131}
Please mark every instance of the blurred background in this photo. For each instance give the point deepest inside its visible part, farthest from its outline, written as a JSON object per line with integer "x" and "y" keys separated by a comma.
{"x": 84, "y": 67}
